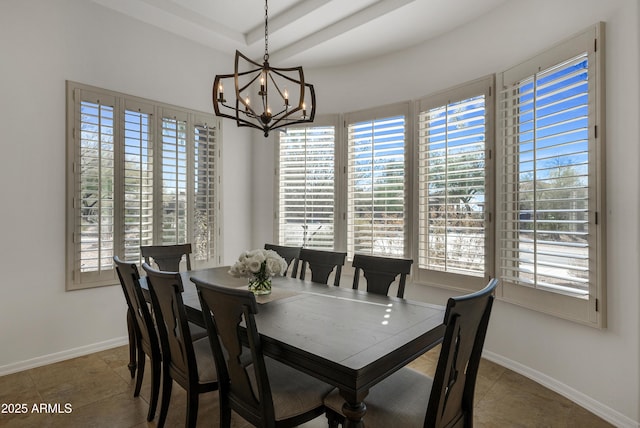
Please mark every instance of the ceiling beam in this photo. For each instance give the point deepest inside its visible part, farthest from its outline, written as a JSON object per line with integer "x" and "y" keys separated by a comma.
{"x": 342, "y": 26}
{"x": 281, "y": 20}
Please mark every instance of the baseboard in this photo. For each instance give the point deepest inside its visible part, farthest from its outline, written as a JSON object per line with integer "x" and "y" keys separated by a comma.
{"x": 605, "y": 412}
{"x": 63, "y": 355}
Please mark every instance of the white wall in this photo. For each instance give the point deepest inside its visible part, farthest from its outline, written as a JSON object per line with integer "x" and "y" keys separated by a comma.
{"x": 45, "y": 42}
{"x": 42, "y": 44}
{"x": 598, "y": 369}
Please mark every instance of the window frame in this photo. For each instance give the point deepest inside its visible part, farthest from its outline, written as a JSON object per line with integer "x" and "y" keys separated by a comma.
{"x": 319, "y": 121}
{"x": 77, "y": 93}
{"x": 591, "y": 310}
{"x": 449, "y": 280}
{"x": 373, "y": 114}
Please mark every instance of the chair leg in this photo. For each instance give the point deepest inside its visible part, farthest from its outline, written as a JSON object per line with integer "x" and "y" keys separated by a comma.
{"x": 132, "y": 344}
{"x": 141, "y": 364}
{"x": 192, "y": 408}
{"x": 334, "y": 419}
{"x": 167, "y": 384}
{"x": 225, "y": 418}
{"x": 155, "y": 388}
{"x": 225, "y": 411}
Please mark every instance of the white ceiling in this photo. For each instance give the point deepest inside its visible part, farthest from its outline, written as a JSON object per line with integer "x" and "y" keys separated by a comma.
{"x": 306, "y": 32}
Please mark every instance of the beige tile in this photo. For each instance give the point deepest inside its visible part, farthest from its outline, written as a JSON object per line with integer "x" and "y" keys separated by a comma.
{"x": 79, "y": 381}
{"x": 120, "y": 410}
{"x": 427, "y": 362}
{"x": 15, "y": 383}
{"x": 28, "y": 420}
{"x": 517, "y": 401}
{"x": 100, "y": 390}
{"x": 116, "y": 357}
{"x": 580, "y": 418}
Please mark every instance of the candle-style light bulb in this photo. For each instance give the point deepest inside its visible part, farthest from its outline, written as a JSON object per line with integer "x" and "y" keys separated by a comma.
{"x": 304, "y": 110}
{"x": 286, "y": 98}
{"x": 220, "y": 92}
{"x": 246, "y": 104}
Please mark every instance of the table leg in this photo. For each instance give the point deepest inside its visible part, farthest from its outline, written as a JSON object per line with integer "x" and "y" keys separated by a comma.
{"x": 132, "y": 344}
{"x": 354, "y": 410}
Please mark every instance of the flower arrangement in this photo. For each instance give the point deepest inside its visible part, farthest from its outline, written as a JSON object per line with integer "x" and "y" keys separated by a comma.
{"x": 259, "y": 266}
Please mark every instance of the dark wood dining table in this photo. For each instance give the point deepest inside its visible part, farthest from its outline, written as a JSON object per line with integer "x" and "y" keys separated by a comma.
{"x": 349, "y": 338}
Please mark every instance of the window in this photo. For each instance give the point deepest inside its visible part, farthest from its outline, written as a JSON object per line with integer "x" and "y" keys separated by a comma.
{"x": 140, "y": 173}
{"x": 376, "y": 182}
{"x": 306, "y": 186}
{"x": 551, "y": 216}
{"x": 506, "y": 180}
{"x": 455, "y": 186}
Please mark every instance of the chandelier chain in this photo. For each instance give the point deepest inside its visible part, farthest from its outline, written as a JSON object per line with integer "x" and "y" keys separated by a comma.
{"x": 266, "y": 31}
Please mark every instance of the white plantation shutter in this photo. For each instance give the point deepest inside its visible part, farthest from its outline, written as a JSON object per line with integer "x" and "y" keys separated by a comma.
{"x": 138, "y": 178}
{"x": 139, "y": 174}
{"x": 546, "y": 171}
{"x": 95, "y": 198}
{"x": 452, "y": 180}
{"x": 205, "y": 134}
{"x": 548, "y": 202}
{"x": 174, "y": 179}
{"x": 376, "y": 189}
{"x": 306, "y": 177}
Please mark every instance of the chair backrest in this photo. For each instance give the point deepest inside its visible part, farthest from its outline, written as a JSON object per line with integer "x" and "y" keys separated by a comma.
{"x": 167, "y": 257}
{"x": 142, "y": 321}
{"x": 290, "y": 254}
{"x": 380, "y": 272}
{"x": 224, "y": 309}
{"x": 466, "y": 319}
{"x": 322, "y": 263}
{"x": 173, "y": 328}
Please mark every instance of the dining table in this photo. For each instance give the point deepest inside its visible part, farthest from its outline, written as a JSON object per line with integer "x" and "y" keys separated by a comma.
{"x": 348, "y": 338}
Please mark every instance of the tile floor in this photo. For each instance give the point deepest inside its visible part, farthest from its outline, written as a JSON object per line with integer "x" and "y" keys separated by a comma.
{"x": 98, "y": 391}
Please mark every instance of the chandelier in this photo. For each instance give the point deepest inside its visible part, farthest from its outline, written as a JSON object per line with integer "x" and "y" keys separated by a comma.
{"x": 283, "y": 97}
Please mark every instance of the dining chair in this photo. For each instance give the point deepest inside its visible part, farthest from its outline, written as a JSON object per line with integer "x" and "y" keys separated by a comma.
{"x": 321, "y": 263}
{"x": 145, "y": 340}
{"x": 189, "y": 363}
{"x": 289, "y": 254}
{"x": 266, "y": 393}
{"x": 400, "y": 399}
{"x": 167, "y": 257}
{"x": 380, "y": 272}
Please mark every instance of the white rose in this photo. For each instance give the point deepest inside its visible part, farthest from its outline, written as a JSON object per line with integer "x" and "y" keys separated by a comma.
{"x": 274, "y": 267}
{"x": 254, "y": 265}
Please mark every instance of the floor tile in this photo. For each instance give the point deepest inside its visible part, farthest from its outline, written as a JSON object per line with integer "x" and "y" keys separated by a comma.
{"x": 99, "y": 389}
